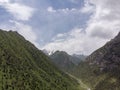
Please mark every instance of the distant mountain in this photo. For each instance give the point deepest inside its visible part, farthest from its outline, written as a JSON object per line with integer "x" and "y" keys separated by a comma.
{"x": 65, "y": 61}
{"x": 24, "y": 67}
{"x": 101, "y": 70}
{"x": 62, "y": 60}
{"x": 48, "y": 53}
{"x": 76, "y": 59}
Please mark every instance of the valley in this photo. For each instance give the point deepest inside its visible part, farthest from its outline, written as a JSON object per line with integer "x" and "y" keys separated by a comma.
{"x": 25, "y": 67}
{"x": 82, "y": 86}
{"x": 100, "y": 70}
{"x": 59, "y": 44}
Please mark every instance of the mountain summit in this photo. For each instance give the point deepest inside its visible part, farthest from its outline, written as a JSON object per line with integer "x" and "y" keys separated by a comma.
{"x": 62, "y": 60}
{"x": 65, "y": 61}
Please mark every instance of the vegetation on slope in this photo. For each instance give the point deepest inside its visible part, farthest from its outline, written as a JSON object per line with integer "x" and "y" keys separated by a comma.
{"x": 24, "y": 67}
{"x": 62, "y": 60}
{"x": 65, "y": 61}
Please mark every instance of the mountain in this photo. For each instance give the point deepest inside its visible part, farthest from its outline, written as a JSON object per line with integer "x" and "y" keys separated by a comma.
{"x": 76, "y": 59}
{"x": 62, "y": 60}
{"x": 101, "y": 70}
{"x": 48, "y": 53}
{"x": 65, "y": 61}
{"x": 24, "y": 67}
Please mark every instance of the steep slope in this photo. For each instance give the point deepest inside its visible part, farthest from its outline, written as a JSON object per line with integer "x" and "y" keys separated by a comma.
{"x": 101, "y": 70}
{"x": 24, "y": 67}
{"x": 62, "y": 60}
{"x": 107, "y": 57}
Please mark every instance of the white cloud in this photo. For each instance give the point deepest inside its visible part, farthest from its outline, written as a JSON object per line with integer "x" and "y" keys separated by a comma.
{"x": 76, "y": 41}
{"x": 19, "y": 11}
{"x": 65, "y": 10}
{"x": 103, "y": 25}
{"x": 26, "y": 31}
{"x": 88, "y": 8}
{"x": 50, "y": 9}
{"x": 105, "y": 21}
{"x": 4, "y": 1}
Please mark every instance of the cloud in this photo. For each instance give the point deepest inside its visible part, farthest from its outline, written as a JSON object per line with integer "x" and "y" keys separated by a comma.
{"x": 75, "y": 41}
{"x": 104, "y": 22}
{"x": 88, "y": 8}
{"x": 4, "y": 1}
{"x": 50, "y": 9}
{"x": 102, "y": 26}
{"x": 69, "y": 27}
{"x": 44, "y": 20}
{"x": 64, "y": 10}
{"x": 26, "y": 31}
{"x": 55, "y": 21}
{"x": 19, "y": 11}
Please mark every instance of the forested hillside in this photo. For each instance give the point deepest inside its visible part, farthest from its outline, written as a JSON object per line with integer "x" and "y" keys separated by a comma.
{"x": 24, "y": 67}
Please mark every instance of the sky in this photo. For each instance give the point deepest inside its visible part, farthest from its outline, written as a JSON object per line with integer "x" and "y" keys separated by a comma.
{"x": 74, "y": 26}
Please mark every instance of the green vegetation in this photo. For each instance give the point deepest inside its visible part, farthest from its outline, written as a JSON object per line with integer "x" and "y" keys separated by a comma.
{"x": 62, "y": 60}
{"x": 24, "y": 67}
{"x": 96, "y": 79}
{"x": 88, "y": 74}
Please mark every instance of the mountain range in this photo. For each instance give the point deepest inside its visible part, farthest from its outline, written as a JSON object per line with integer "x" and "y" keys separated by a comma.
{"x": 25, "y": 67}
{"x": 65, "y": 61}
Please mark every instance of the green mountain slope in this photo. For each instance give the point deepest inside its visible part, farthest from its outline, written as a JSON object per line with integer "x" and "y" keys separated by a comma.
{"x": 24, "y": 67}
{"x": 101, "y": 70}
{"x": 62, "y": 60}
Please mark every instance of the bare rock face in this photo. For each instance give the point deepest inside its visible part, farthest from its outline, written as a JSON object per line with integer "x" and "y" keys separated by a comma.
{"x": 101, "y": 70}
{"x": 108, "y": 56}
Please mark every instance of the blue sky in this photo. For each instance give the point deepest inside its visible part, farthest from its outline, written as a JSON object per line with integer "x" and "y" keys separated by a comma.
{"x": 69, "y": 25}
{"x": 48, "y": 24}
